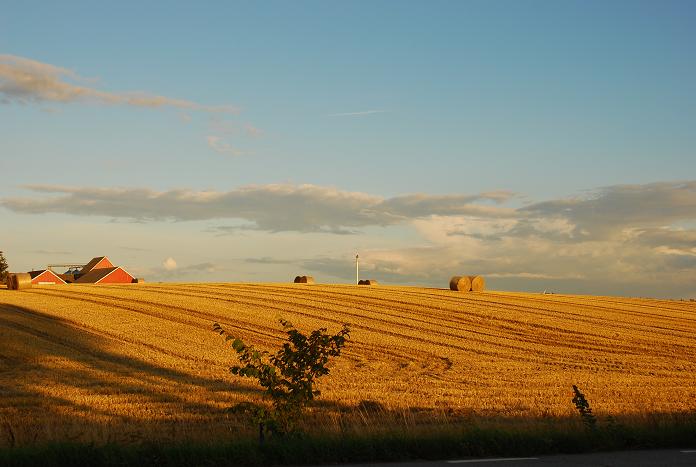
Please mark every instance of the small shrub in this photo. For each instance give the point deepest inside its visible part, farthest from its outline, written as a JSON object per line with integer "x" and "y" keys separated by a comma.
{"x": 583, "y": 407}
{"x": 288, "y": 377}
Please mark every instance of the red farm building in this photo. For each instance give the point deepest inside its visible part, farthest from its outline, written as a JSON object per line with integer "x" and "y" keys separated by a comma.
{"x": 114, "y": 275}
{"x": 99, "y": 270}
{"x": 45, "y": 277}
{"x": 100, "y": 262}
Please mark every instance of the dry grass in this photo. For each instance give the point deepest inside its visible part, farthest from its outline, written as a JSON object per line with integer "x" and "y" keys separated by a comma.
{"x": 125, "y": 363}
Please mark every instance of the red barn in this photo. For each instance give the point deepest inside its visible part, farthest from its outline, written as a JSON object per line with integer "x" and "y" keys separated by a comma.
{"x": 112, "y": 275}
{"x": 45, "y": 276}
{"x": 100, "y": 262}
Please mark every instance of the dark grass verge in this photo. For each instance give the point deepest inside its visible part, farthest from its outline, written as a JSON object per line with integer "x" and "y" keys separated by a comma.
{"x": 433, "y": 445}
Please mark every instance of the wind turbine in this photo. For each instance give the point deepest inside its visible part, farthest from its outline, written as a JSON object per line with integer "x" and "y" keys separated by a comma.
{"x": 357, "y": 268}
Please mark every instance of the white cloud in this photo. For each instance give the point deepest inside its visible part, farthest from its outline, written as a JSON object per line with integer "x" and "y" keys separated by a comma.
{"x": 26, "y": 81}
{"x": 274, "y": 208}
{"x": 642, "y": 242}
{"x": 169, "y": 264}
{"x": 608, "y": 211}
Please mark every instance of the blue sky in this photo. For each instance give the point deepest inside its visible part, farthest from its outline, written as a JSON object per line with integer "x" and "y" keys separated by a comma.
{"x": 553, "y": 103}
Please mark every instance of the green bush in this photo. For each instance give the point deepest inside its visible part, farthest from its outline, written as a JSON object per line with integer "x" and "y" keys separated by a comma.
{"x": 288, "y": 377}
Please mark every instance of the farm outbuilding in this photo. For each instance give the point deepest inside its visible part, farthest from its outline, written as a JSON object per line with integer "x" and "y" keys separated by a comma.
{"x": 45, "y": 277}
{"x": 113, "y": 275}
{"x": 100, "y": 262}
{"x": 99, "y": 270}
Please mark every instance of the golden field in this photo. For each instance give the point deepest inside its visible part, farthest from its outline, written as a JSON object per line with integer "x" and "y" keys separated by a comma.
{"x": 134, "y": 362}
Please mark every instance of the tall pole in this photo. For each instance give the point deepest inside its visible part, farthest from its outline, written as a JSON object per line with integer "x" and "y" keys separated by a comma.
{"x": 357, "y": 269}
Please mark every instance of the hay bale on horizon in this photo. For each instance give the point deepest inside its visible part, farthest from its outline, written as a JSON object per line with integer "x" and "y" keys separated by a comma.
{"x": 9, "y": 281}
{"x": 304, "y": 280}
{"x": 367, "y": 282}
{"x": 460, "y": 284}
{"x": 20, "y": 280}
{"x": 478, "y": 283}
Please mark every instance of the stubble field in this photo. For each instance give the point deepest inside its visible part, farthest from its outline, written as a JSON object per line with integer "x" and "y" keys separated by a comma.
{"x": 140, "y": 362}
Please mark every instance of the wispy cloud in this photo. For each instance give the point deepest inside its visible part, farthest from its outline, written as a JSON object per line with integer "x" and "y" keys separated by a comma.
{"x": 358, "y": 114}
{"x": 219, "y": 145}
{"x": 273, "y": 208}
{"x": 26, "y": 81}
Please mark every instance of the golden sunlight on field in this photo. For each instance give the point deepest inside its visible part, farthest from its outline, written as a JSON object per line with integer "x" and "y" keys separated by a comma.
{"x": 126, "y": 363}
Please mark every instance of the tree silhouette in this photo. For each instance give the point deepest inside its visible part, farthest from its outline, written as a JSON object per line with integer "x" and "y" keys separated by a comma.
{"x": 3, "y": 267}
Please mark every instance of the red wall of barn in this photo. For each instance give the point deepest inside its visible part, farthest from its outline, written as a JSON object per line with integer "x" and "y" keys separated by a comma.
{"x": 103, "y": 264}
{"x": 119, "y": 276}
{"x": 46, "y": 276}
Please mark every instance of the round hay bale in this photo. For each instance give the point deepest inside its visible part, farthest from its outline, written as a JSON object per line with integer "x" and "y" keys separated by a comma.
{"x": 460, "y": 283}
{"x": 304, "y": 280}
{"x": 22, "y": 280}
{"x": 478, "y": 283}
{"x": 9, "y": 280}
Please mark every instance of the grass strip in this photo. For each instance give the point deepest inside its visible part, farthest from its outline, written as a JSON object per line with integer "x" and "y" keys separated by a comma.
{"x": 329, "y": 449}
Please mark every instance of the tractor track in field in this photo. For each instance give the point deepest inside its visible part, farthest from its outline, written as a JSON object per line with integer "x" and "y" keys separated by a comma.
{"x": 262, "y": 302}
{"x": 504, "y": 329}
{"x": 507, "y": 303}
{"x": 579, "y": 302}
{"x": 118, "y": 302}
{"x": 553, "y": 360}
{"x": 504, "y": 305}
{"x": 111, "y": 336}
{"x": 133, "y": 372}
{"x": 508, "y": 352}
{"x": 71, "y": 343}
{"x": 273, "y": 304}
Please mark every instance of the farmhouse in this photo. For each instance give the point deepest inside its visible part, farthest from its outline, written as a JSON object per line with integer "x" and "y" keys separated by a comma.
{"x": 99, "y": 270}
{"x": 44, "y": 277}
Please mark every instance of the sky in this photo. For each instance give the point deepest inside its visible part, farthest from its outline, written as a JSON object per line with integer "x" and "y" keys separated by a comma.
{"x": 546, "y": 145}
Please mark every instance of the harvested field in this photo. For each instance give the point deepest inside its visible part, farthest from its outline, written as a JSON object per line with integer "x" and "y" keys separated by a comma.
{"x": 126, "y": 363}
